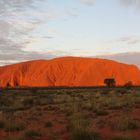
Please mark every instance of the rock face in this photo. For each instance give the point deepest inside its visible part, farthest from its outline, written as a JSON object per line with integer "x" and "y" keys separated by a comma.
{"x": 68, "y": 71}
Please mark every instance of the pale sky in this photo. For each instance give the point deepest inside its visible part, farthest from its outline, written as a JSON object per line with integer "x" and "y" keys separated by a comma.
{"x": 43, "y": 29}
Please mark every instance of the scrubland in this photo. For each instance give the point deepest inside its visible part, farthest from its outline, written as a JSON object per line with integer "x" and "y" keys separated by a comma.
{"x": 98, "y": 114}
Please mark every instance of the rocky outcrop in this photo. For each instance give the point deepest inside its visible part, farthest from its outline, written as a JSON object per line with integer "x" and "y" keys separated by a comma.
{"x": 68, "y": 71}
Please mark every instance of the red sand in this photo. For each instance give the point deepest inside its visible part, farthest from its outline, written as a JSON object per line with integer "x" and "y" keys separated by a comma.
{"x": 68, "y": 71}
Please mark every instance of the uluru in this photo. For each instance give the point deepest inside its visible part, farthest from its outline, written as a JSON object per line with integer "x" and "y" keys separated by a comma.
{"x": 67, "y": 71}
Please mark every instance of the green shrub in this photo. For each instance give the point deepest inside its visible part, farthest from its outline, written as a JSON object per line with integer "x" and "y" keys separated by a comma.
{"x": 123, "y": 138}
{"x": 14, "y": 127}
{"x": 2, "y": 124}
{"x": 126, "y": 124}
{"x": 16, "y": 138}
{"x": 101, "y": 112}
{"x": 48, "y": 124}
{"x": 79, "y": 129}
{"x": 27, "y": 102}
{"x": 32, "y": 134}
{"x": 84, "y": 135}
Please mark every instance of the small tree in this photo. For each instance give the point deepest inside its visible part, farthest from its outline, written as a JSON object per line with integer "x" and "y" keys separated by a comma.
{"x": 8, "y": 85}
{"x": 110, "y": 82}
{"x": 129, "y": 84}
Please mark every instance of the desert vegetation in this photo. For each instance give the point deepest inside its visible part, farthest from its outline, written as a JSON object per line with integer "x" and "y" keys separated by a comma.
{"x": 73, "y": 114}
{"x": 110, "y": 82}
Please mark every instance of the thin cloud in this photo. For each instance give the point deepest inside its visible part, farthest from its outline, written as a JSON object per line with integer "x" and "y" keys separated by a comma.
{"x": 18, "y": 19}
{"x": 135, "y": 3}
{"x": 129, "y": 40}
{"x": 88, "y": 2}
{"x": 128, "y": 57}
